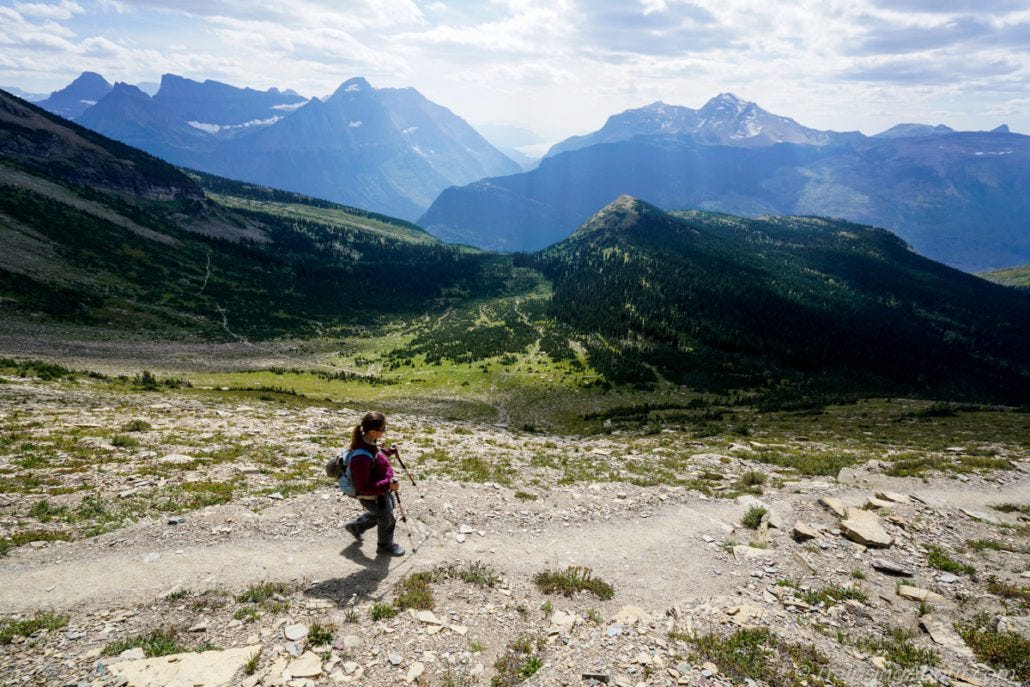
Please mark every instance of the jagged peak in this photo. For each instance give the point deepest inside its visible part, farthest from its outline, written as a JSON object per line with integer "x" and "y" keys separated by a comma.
{"x": 355, "y": 84}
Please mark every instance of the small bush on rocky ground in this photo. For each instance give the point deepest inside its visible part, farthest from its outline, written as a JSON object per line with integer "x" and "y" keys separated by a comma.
{"x": 251, "y": 666}
{"x": 937, "y": 558}
{"x": 319, "y": 634}
{"x": 519, "y": 662}
{"x": 573, "y": 579}
{"x": 43, "y": 620}
{"x": 456, "y": 678}
{"x": 828, "y": 596}
{"x": 136, "y": 426}
{"x": 415, "y": 592}
{"x": 1021, "y": 508}
{"x": 1009, "y": 591}
{"x": 758, "y": 654}
{"x": 475, "y": 572}
{"x": 896, "y": 646}
{"x": 160, "y": 642}
{"x": 752, "y": 478}
{"x": 1006, "y": 650}
{"x": 382, "y": 611}
{"x": 753, "y": 517}
{"x": 270, "y": 596}
{"x": 123, "y": 441}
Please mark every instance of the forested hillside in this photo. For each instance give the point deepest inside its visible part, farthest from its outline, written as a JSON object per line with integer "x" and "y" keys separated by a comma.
{"x": 719, "y": 302}
{"x": 100, "y": 233}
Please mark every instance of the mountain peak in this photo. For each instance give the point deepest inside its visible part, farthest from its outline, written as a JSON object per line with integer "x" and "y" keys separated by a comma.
{"x": 89, "y": 80}
{"x": 1001, "y": 129}
{"x": 356, "y": 84}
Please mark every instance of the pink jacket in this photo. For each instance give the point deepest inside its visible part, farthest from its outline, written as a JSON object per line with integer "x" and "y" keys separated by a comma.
{"x": 371, "y": 476}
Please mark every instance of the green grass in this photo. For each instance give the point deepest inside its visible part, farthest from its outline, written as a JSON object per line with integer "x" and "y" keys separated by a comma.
{"x": 937, "y": 558}
{"x": 573, "y": 579}
{"x": 1004, "y": 650}
{"x": 42, "y": 620}
{"x": 414, "y": 591}
{"x": 518, "y": 662}
{"x": 319, "y": 634}
{"x": 476, "y": 573}
{"x": 1005, "y": 590}
{"x": 831, "y": 595}
{"x": 158, "y": 642}
{"x": 1021, "y": 508}
{"x": 896, "y": 646}
{"x": 251, "y": 666}
{"x": 752, "y": 517}
{"x": 269, "y": 596}
{"x": 382, "y": 611}
{"x": 757, "y": 654}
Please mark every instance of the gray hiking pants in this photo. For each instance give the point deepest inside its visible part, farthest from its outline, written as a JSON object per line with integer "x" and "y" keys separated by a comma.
{"x": 378, "y": 512}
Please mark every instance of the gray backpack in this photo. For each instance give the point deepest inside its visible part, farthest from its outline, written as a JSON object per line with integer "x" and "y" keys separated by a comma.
{"x": 339, "y": 469}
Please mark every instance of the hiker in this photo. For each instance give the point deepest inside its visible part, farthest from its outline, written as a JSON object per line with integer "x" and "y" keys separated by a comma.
{"x": 373, "y": 480}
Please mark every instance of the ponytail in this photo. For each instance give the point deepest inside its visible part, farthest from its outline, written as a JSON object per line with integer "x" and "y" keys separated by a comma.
{"x": 369, "y": 423}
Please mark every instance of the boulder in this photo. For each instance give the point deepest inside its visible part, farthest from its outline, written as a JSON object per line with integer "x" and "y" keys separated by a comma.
{"x": 865, "y": 528}
{"x": 803, "y": 532}
{"x": 836, "y": 506}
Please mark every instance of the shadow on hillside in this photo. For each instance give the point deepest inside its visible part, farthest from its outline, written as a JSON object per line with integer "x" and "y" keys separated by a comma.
{"x": 364, "y": 582}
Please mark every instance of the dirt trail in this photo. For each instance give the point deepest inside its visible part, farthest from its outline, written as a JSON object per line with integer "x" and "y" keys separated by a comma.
{"x": 648, "y": 557}
{"x": 658, "y": 556}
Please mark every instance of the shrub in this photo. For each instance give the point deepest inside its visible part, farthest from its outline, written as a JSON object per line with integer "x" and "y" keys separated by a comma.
{"x": 382, "y": 611}
{"x": 320, "y": 634}
{"x": 159, "y": 642}
{"x": 937, "y": 558}
{"x": 573, "y": 579}
{"x": 43, "y": 620}
{"x": 415, "y": 592}
{"x": 1006, "y": 650}
{"x": 753, "y": 517}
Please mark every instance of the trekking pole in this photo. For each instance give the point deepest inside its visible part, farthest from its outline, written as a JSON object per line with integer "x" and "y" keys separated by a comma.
{"x": 396, "y": 495}
{"x": 397, "y": 453}
{"x": 400, "y": 507}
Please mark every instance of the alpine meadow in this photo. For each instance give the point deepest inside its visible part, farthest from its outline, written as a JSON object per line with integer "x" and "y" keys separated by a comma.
{"x": 691, "y": 397}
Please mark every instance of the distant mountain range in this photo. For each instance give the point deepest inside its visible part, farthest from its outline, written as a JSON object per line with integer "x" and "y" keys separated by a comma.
{"x": 794, "y": 309}
{"x": 959, "y": 197}
{"x": 386, "y": 150}
{"x": 98, "y": 233}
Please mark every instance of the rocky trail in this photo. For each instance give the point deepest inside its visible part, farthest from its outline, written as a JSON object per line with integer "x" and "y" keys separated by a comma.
{"x": 678, "y": 561}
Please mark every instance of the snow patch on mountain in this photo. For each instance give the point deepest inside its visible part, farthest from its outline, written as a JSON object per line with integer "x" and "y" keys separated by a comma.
{"x": 216, "y": 128}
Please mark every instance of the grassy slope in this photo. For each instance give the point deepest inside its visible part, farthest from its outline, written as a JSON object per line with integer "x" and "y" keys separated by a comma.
{"x": 1018, "y": 277}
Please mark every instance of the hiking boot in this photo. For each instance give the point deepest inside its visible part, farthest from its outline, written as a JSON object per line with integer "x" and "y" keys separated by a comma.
{"x": 390, "y": 549}
{"x": 353, "y": 529}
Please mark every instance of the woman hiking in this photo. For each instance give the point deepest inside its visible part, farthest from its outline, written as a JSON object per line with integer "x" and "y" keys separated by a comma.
{"x": 373, "y": 480}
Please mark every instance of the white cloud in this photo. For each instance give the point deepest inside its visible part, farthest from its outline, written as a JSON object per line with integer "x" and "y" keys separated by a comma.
{"x": 62, "y": 10}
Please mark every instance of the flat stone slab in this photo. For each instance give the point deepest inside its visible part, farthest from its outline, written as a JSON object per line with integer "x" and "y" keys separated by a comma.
{"x": 941, "y": 631}
{"x": 980, "y": 515}
{"x": 893, "y": 496}
{"x": 889, "y": 568}
{"x": 865, "y": 528}
{"x": 917, "y": 594}
{"x": 295, "y": 632}
{"x": 803, "y": 532}
{"x": 308, "y": 665}
{"x": 835, "y": 505}
{"x": 206, "y": 669}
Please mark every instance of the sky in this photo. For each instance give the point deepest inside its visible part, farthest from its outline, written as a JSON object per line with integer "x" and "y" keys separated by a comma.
{"x": 560, "y": 67}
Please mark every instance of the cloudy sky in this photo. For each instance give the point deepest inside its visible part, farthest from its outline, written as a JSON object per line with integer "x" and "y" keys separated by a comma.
{"x": 560, "y": 67}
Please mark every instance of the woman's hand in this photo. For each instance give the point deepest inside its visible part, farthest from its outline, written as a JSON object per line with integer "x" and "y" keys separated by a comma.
{"x": 394, "y": 485}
